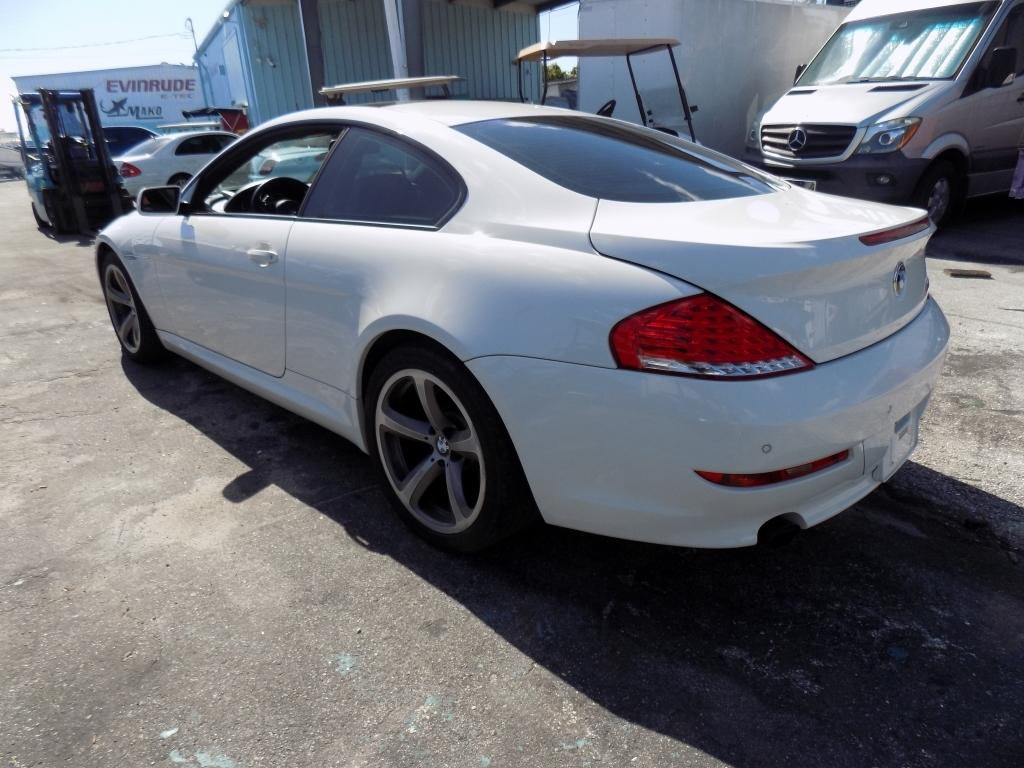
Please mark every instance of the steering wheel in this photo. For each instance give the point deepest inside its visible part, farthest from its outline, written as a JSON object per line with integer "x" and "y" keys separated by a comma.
{"x": 281, "y": 195}
{"x": 607, "y": 108}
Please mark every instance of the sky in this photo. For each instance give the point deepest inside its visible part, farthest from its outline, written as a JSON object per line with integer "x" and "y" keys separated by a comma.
{"x": 55, "y": 30}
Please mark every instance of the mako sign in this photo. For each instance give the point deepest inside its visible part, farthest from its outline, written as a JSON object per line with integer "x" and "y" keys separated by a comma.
{"x": 131, "y": 96}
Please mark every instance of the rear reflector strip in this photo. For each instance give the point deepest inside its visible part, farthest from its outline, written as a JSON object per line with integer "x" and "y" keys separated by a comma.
{"x": 888, "y": 235}
{"x": 733, "y": 480}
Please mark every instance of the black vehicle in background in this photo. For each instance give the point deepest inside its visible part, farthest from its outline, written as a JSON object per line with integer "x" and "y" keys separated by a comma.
{"x": 121, "y": 138}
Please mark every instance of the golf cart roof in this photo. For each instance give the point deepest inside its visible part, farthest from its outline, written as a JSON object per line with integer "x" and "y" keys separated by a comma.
{"x": 594, "y": 47}
{"x": 379, "y": 86}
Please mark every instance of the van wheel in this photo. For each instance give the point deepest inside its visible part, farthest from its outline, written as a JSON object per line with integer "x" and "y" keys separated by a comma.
{"x": 940, "y": 192}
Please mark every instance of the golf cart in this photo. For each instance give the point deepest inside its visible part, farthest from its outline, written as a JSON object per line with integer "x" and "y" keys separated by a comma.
{"x": 544, "y": 51}
{"x": 338, "y": 93}
{"x": 71, "y": 180}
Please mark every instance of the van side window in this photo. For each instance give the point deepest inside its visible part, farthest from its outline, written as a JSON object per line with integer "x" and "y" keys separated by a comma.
{"x": 1010, "y": 35}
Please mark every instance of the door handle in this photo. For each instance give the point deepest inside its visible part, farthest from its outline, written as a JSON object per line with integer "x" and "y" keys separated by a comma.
{"x": 261, "y": 257}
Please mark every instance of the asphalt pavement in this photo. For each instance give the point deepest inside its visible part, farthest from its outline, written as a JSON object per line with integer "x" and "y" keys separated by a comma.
{"x": 190, "y": 576}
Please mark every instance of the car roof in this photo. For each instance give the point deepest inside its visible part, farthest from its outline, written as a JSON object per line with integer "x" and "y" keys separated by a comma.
{"x": 450, "y": 112}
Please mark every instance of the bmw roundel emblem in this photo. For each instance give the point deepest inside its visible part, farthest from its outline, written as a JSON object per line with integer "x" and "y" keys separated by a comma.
{"x": 899, "y": 279}
{"x": 798, "y": 139}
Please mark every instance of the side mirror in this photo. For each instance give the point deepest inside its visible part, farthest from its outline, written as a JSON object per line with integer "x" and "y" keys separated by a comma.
{"x": 799, "y": 71}
{"x": 1002, "y": 67}
{"x": 159, "y": 200}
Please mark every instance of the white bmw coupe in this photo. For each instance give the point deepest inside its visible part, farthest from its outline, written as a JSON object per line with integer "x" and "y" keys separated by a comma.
{"x": 519, "y": 311}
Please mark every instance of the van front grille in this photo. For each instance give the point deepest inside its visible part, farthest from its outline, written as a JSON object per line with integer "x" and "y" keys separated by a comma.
{"x": 807, "y": 141}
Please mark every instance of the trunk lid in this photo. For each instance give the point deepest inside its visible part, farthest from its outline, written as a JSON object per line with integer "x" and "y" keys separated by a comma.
{"x": 793, "y": 260}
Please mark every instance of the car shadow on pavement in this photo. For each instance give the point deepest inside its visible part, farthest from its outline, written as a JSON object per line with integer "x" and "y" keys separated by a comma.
{"x": 888, "y": 636}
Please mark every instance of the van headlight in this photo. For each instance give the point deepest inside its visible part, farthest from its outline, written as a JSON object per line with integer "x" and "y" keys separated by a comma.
{"x": 888, "y": 136}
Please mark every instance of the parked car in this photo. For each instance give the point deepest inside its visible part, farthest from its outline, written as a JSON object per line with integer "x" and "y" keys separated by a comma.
{"x": 170, "y": 159}
{"x": 908, "y": 102}
{"x": 121, "y": 138}
{"x": 515, "y": 308}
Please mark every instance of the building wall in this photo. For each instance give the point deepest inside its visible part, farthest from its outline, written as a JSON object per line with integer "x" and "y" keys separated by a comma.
{"x": 736, "y": 58}
{"x": 479, "y": 43}
{"x": 224, "y": 66}
{"x": 355, "y": 42}
{"x": 277, "y": 58}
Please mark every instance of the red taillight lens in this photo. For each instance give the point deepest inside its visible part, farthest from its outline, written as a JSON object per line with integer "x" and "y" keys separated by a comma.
{"x": 128, "y": 171}
{"x": 702, "y": 336}
{"x": 898, "y": 233}
{"x": 770, "y": 478}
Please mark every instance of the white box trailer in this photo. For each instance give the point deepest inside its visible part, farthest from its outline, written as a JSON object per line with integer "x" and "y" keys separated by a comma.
{"x": 148, "y": 96}
{"x": 736, "y": 58}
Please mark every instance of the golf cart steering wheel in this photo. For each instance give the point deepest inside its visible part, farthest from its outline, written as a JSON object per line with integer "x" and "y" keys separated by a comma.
{"x": 607, "y": 108}
{"x": 281, "y": 195}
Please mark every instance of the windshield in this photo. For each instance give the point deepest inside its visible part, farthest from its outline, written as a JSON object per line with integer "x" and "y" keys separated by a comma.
{"x": 930, "y": 44}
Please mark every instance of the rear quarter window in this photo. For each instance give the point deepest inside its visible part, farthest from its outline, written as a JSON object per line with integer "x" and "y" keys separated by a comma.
{"x": 599, "y": 158}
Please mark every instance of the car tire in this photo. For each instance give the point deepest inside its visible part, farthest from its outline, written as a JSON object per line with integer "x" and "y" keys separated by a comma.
{"x": 940, "y": 192}
{"x": 179, "y": 180}
{"x": 132, "y": 326}
{"x": 40, "y": 221}
{"x": 444, "y": 456}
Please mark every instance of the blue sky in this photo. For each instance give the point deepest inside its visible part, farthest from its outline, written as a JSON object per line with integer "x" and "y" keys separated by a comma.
{"x": 58, "y": 25}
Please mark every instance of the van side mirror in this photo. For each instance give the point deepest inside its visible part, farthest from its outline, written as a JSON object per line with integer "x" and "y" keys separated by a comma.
{"x": 799, "y": 71}
{"x": 159, "y": 200}
{"x": 1002, "y": 67}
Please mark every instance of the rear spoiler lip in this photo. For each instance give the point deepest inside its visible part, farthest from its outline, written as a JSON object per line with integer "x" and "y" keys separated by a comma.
{"x": 896, "y": 233}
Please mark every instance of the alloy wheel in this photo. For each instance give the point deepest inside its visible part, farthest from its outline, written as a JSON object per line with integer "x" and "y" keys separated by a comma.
{"x": 430, "y": 451}
{"x": 121, "y": 306}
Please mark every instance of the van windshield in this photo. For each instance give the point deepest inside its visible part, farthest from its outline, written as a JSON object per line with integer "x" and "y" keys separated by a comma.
{"x": 929, "y": 44}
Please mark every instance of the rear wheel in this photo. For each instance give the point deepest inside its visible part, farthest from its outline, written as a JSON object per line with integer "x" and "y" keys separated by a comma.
{"x": 179, "y": 180}
{"x": 449, "y": 465}
{"x": 940, "y": 192}
{"x": 131, "y": 322}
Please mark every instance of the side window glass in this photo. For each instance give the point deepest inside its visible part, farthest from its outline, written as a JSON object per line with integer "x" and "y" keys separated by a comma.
{"x": 380, "y": 179}
{"x": 1009, "y": 35}
{"x": 193, "y": 146}
{"x": 241, "y": 185}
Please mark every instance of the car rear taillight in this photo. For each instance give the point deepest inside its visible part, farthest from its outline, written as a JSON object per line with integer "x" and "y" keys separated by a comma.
{"x": 702, "y": 336}
{"x": 267, "y": 167}
{"x": 128, "y": 171}
{"x": 734, "y": 480}
{"x": 897, "y": 233}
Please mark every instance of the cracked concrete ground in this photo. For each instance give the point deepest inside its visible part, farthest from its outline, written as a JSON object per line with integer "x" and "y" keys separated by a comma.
{"x": 190, "y": 576}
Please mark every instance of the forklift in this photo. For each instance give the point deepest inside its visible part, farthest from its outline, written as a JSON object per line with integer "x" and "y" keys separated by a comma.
{"x": 71, "y": 180}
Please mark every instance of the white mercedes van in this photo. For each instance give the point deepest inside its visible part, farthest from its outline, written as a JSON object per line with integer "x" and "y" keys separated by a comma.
{"x": 909, "y": 101}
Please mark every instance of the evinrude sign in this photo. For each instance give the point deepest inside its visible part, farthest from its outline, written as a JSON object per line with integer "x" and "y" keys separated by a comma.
{"x": 133, "y": 95}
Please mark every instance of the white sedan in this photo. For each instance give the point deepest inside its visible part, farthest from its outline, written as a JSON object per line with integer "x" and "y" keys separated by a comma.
{"x": 173, "y": 158}
{"x": 522, "y": 311}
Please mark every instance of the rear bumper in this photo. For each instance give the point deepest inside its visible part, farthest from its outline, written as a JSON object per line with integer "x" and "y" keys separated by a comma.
{"x": 614, "y": 452}
{"x": 859, "y": 177}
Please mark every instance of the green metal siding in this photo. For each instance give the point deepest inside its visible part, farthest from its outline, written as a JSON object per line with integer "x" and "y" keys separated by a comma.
{"x": 277, "y": 57}
{"x": 480, "y": 45}
{"x": 355, "y": 43}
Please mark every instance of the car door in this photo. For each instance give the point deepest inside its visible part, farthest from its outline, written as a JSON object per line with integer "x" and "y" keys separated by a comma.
{"x": 997, "y": 113}
{"x": 196, "y": 151}
{"x": 377, "y": 205}
{"x": 221, "y": 264}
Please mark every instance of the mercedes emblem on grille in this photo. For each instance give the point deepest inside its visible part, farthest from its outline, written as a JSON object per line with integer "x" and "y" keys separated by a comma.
{"x": 899, "y": 279}
{"x": 798, "y": 139}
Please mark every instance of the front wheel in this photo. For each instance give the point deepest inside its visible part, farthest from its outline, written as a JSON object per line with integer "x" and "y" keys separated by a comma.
{"x": 451, "y": 471}
{"x": 131, "y": 322}
{"x": 41, "y": 223}
{"x": 940, "y": 192}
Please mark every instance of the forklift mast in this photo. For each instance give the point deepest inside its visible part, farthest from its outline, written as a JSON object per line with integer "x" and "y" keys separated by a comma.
{"x": 79, "y": 184}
